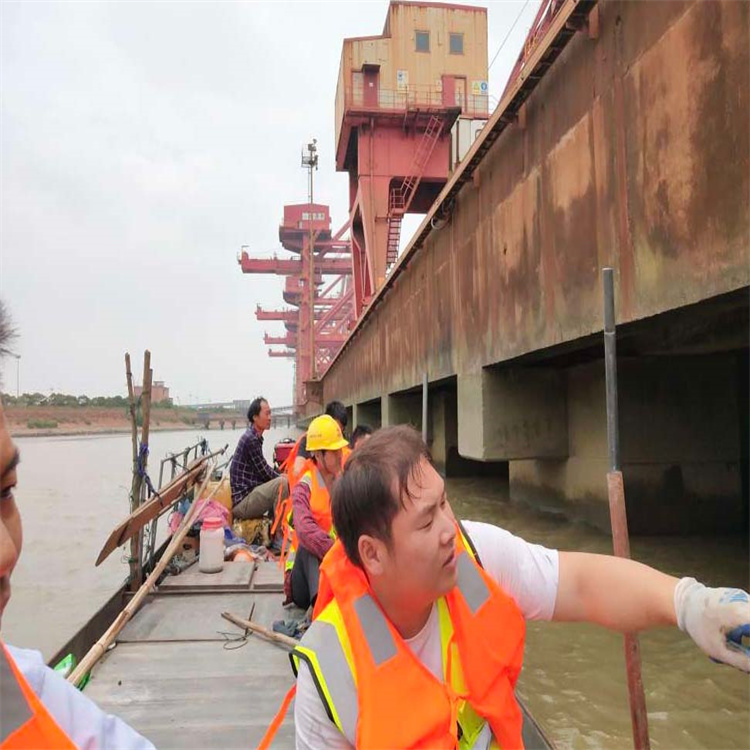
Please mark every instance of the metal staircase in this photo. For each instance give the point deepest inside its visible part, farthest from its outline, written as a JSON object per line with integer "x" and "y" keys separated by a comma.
{"x": 401, "y": 197}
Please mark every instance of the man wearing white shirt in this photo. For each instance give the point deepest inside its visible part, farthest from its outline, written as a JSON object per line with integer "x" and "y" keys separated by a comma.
{"x": 405, "y": 580}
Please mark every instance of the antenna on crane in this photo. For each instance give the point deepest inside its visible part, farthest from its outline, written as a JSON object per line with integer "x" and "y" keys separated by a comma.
{"x": 310, "y": 163}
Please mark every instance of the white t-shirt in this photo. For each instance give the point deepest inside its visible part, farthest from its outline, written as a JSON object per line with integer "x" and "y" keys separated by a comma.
{"x": 527, "y": 572}
{"x": 78, "y": 716}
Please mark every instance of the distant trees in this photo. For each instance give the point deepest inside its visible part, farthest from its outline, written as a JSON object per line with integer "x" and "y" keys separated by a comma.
{"x": 65, "y": 399}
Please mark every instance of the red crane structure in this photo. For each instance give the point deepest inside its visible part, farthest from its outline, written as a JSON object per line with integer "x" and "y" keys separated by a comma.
{"x": 408, "y": 105}
{"x": 317, "y": 288}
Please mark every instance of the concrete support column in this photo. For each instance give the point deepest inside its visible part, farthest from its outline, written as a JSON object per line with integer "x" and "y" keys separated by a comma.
{"x": 513, "y": 414}
{"x": 680, "y": 442}
{"x": 442, "y": 435}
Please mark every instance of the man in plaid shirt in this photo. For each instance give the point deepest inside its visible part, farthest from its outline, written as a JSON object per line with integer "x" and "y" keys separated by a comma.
{"x": 255, "y": 484}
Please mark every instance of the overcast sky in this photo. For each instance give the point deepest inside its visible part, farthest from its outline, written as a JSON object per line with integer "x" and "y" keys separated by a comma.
{"x": 142, "y": 144}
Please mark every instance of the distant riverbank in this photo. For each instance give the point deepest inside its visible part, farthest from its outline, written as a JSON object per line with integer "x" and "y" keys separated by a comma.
{"x": 45, "y": 421}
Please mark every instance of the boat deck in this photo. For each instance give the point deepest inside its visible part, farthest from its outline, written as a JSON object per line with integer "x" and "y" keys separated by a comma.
{"x": 185, "y": 677}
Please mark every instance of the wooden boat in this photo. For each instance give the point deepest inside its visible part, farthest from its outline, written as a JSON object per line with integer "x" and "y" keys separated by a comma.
{"x": 185, "y": 677}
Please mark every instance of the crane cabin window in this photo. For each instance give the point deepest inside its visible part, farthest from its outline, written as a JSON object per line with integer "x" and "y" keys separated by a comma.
{"x": 423, "y": 41}
{"x": 456, "y": 44}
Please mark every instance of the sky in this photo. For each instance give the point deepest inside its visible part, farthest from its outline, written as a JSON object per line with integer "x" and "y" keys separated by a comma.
{"x": 141, "y": 145}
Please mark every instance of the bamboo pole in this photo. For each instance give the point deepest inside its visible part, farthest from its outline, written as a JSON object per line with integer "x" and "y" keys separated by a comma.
{"x": 271, "y": 635}
{"x": 98, "y": 649}
{"x": 148, "y": 374}
{"x": 618, "y": 513}
{"x": 135, "y": 488}
{"x": 137, "y": 541}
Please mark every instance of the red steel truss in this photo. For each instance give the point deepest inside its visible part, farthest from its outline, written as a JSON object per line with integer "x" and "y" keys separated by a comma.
{"x": 305, "y": 232}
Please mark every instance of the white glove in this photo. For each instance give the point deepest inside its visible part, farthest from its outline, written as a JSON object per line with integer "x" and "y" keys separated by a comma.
{"x": 716, "y": 619}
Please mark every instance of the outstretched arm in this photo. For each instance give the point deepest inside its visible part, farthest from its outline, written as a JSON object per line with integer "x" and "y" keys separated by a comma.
{"x": 625, "y": 595}
{"x": 614, "y": 592}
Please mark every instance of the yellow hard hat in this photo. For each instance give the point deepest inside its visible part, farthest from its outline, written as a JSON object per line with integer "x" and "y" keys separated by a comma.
{"x": 324, "y": 434}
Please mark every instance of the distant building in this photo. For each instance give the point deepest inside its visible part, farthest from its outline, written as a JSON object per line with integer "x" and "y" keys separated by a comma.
{"x": 159, "y": 391}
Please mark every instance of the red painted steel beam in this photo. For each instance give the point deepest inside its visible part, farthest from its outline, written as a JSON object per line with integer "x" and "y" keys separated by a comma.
{"x": 337, "y": 235}
{"x": 285, "y": 316}
{"x": 292, "y": 267}
{"x": 281, "y": 353}
{"x": 290, "y": 340}
{"x": 337, "y": 309}
{"x": 326, "y": 340}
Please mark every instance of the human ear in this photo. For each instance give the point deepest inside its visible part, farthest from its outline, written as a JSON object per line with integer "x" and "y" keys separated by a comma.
{"x": 371, "y": 553}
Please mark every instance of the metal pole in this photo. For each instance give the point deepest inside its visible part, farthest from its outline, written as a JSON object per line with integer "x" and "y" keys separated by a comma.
{"x": 610, "y": 365}
{"x": 424, "y": 407}
{"x": 618, "y": 514}
{"x": 312, "y": 283}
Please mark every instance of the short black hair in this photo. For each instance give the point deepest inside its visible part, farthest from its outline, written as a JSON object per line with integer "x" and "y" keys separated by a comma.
{"x": 359, "y": 431}
{"x": 255, "y": 406}
{"x": 369, "y": 493}
{"x": 338, "y": 411}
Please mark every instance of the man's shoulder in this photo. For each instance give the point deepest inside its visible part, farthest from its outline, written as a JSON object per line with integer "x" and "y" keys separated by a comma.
{"x": 482, "y": 531}
{"x": 303, "y": 488}
{"x": 249, "y": 436}
{"x": 489, "y": 541}
{"x": 30, "y": 664}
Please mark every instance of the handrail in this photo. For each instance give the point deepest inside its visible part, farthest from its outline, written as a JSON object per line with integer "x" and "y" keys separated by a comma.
{"x": 416, "y": 97}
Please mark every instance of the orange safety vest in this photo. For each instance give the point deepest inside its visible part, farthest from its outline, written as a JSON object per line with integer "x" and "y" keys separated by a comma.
{"x": 284, "y": 505}
{"x": 320, "y": 503}
{"x": 488, "y": 631}
{"x": 26, "y": 725}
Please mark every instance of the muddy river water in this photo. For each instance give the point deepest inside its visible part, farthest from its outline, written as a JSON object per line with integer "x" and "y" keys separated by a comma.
{"x": 73, "y": 490}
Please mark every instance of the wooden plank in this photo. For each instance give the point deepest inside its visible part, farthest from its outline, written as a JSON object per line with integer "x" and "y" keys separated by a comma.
{"x": 234, "y": 576}
{"x": 268, "y": 577}
{"x": 196, "y": 694}
{"x": 184, "y": 618}
{"x": 153, "y": 508}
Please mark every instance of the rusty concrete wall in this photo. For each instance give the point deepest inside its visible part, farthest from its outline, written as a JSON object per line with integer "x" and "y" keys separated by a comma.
{"x": 634, "y": 153}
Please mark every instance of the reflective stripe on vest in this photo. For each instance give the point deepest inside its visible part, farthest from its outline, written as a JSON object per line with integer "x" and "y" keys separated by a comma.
{"x": 322, "y": 650}
{"x": 14, "y": 709}
{"x": 471, "y": 585}
{"x": 375, "y": 628}
{"x": 320, "y": 501}
{"x": 24, "y": 721}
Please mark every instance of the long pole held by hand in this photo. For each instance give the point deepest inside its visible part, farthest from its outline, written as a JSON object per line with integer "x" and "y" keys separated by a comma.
{"x": 617, "y": 512}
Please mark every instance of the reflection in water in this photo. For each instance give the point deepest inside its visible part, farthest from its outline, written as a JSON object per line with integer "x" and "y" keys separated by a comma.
{"x": 74, "y": 490}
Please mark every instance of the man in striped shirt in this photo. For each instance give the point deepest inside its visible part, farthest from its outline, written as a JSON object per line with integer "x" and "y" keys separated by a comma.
{"x": 255, "y": 484}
